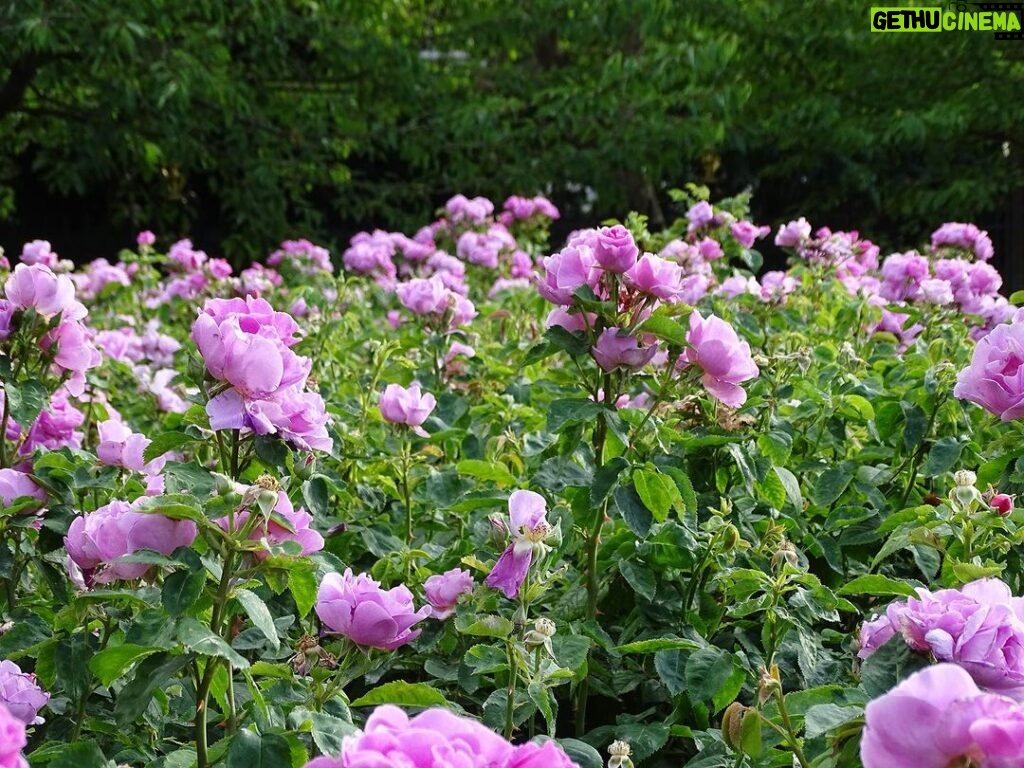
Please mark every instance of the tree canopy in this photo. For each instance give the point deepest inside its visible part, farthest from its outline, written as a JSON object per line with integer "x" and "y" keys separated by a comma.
{"x": 260, "y": 120}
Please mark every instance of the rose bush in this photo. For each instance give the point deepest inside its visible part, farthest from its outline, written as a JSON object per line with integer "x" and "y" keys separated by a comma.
{"x": 398, "y": 508}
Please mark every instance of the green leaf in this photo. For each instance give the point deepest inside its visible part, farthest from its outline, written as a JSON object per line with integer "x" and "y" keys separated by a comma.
{"x": 26, "y": 400}
{"x": 943, "y": 456}
{"x": 664, "y": 328}
{"x": 73, "y": 655}
{"x": 633, "y": 511}
{"x": 327, "y": 730}
{"x": 639, "y": 577}
{"x": 658, "y": 492}
{"x": 80, "y": 754}
{"x": 489, "y": 625}
{"x": 182, "y": 589}
{"x": 152, "y": 673}
{"x": 302, "y": 584}
{"x": 581, "y": 753}
{"x": 317, "y": 496}
{"x": 772, "y": 490}
{"x": 110, "y": 663}
{"x": 671, "y": 669}
{"x": 707, "y": 671}
{"x": 569, "y": 411}
{"x": 750, "y": 734}
{"x": 199, "y": 638}
{"x": 605, "y": 478}
{"x": 822, "y": 718}
{"x": 540, "y": 696}
{"x": 659, "y": 644}
{"x": 490, "y": 471}
{"x": 252, "y": 750}
{"x": 403, "y": 694}
{"x": 792, "y": 486}
{"x": 968, "y": 572}
{"x": 875, "y": 584}
{"x": 259, "y": 614}
{"x": 164, "y": 442}
{"x": 831, "y": 483}
{"x": 575, "y": 344}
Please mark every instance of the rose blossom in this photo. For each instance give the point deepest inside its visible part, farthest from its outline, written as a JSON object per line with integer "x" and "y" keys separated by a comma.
{"x": 97, "y": 539}
{"x": 618, "y": 349}
{"x": 15, "y": 484}
{"x": 443, "y": 590}
{"x": 656, "y": 276}
{"x": 20, "y": 693}
{"x": 357, "y": 608}
{"x": 12, "y": 740}
{"x": 409, "y": 406}
{"x": 724, "y": 358}
{"x": 437, "y": 738}
{"x": 527, "y": 513}
{"x": 616, "y": 249}
{"x": 273, "y": 534}
{"x": 994, "y": 379}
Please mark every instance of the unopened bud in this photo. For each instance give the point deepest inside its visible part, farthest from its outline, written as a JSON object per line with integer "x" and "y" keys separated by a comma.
{"x": 964, "y": 478}
{"x": 266, "y": 500}
{"x": 732, "y": 723}
{"x": 620, "y": 752}
{"x": 769, "y": 683}
{"x": 1002, "y": 503}
{"x": 730, "y": 537}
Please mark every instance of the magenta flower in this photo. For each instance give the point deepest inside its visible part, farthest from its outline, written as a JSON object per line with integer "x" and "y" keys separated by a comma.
{"x": 12, "y": 740}
{"x": 120, "y": 447}
{"x": 357, "y": 608}
{"x": 443, "y": 591}
{"x": 967, "y": 237}
{"x": 39, "y": 252}
{"x": 979, "y": 626}
{"x": 20, "y": 693}
{"x": 272, "y": 533}
{"x": 566, "y": 271}
{"x": 616, "y": 249}
{"x": 529, "y": 528}
{"x": 995, "y": 377}
{"x": 437, "y": 738}
{"x": 902, "y": 727}
{"x": 794, "y": 234}
{"x": 423, "y": 296}
{"x": 409, "y": 406}
{"x": 1002, "y": 503}
{"x": 617, "y": 349}
{"x": 302, "y": 257}
{"x": 56, "y": 426}
{"x": 472, "y": 211}
{"x": 37, "y": 287}
{"x": 97, "y": 539}
{"x": 247, "y": 344}
{"x": 15, "y": 485}
{"x": 700, "y": 216}
{"x": 145, "y": 238}
{"x": 747, "y": 232}
{"x": 724, "y": 358}
{"x": 656, "y": 276}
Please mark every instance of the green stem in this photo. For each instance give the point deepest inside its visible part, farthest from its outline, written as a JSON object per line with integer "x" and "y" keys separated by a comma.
{"x": 406, "y": 495}
{"x": 510, "y": 705}
{"x": 794, "y": 742}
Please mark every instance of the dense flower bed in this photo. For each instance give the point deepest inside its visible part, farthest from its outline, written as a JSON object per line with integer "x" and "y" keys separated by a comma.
{"x": 480, "y": 501}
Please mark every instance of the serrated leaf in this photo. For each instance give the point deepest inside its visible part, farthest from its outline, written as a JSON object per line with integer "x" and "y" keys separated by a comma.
{"x": 110, "y": 663}
{"x": 199, "y": 638}
{"x": 259, "y": 614}
{"x": 822, "y": 718}
{"x": 402, "y": 694}
{"x": 164, "y": 442}
{"x": 490, "y": 471}
{"x": 657, "y": 491}
{"x": 484, "y": 626}
{"x": 302, "y": 584}
{"x": 876, "y": 584}
{"x": 253, "y": 750}
{"x": 659, "y": 644}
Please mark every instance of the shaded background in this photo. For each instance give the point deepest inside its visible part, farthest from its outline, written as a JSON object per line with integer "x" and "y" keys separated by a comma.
{"x": 241, "y": 124}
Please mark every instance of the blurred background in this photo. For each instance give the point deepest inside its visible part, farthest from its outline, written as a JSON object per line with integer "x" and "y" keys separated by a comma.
{"x": 243, "y": 123}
